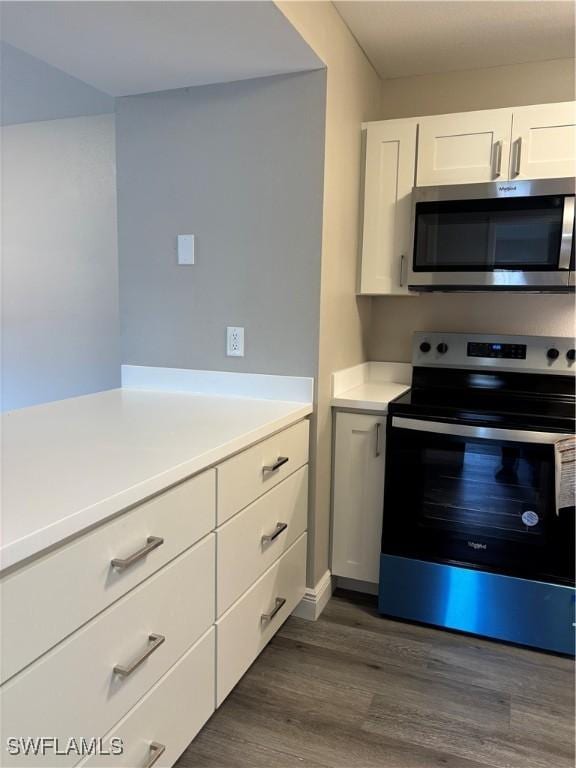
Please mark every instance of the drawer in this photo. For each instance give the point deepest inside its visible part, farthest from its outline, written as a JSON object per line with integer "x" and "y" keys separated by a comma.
{"x": 74, "y": 690}
{"x": 48, "y": 599}
{"x": 245, "y": 477}
{"x": 169, "y": 716}
{"x": 243, "y": 631}
{"x": 250, "y": 542}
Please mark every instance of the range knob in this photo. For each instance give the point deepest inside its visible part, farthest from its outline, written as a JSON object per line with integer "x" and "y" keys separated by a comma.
{"x": 425, "y": 347}
{"x": 571, "y": 355}
{"x": 442, "y": 348}
{"x": 552, "y": 354}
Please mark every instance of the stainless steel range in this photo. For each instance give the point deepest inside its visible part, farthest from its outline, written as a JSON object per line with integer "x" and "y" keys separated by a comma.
{"x": 473, "y": 536}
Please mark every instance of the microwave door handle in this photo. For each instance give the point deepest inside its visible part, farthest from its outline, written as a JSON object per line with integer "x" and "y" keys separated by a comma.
{"x": 486, "y": 433}
{"x": 567, "y": 233}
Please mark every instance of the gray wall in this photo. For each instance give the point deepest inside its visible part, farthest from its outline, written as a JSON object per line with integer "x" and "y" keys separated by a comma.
{"x": 33, "y": 90}
{"x": 240, "y": 165}
{"x": 60, "y": 329}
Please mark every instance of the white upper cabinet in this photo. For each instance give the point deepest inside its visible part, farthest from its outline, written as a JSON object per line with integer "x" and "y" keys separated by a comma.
{"x": 389, "y": 179}
{"x": 544, "y": 141}
{"x": 534, "y": 142}
{"x": 464, "y": 148}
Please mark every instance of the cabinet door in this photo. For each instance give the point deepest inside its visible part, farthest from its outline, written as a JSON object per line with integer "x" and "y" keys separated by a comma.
{"x": 388, "y": 183}
{"x": 544, "y": 141}
{"x": 358, "y": 495}
{"x": 464, "y": 148}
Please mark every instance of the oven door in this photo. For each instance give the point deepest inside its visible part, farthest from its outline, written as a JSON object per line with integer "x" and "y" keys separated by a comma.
{"x": 497, "y": 242}
{"x": 476, "y": 496}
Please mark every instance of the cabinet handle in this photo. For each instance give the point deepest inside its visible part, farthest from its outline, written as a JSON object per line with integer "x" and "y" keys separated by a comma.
{"x": 155, "y": 643}
{"x": 152, "y": 542}
{"x": 567, "y": 236}
{"x": 280, "y": 528}
{"x": 517, "y": 156}
{"x": 266, "y": 618}
{"x": 156, "y": 752}
{"x": 498, "y": 158}
{"x": 280, "y": 461}
{"x": 402, "y": 259}
{"x": 378, "y": 438}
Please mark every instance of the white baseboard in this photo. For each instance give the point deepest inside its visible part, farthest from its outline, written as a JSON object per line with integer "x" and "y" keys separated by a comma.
{"x": 315, "y": 599}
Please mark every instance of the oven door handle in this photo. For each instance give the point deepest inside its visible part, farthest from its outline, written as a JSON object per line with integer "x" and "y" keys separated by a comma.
{"x": 486, "y": 433}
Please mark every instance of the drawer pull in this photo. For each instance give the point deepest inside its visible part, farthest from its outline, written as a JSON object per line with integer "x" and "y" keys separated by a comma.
{"x": 266, "y": 618}
{"x": 155, "y": 643}
{"x": 280, "y": 461}
{"x": 268, "y": 537}
{"x": 152, "y": 542}
{"x": 156, "y": 752}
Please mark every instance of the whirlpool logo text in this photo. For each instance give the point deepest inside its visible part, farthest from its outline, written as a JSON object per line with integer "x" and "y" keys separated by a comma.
{"x": 476, "y": 545}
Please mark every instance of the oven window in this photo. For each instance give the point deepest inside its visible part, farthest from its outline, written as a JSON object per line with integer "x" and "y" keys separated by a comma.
{"x": 484, "y": 235}
{"x": 484, "y": 503}
{"x": 495, "y": 490}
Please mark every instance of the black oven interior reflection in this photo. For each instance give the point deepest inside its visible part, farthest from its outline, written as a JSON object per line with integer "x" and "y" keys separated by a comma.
{"x": 483, "y": 503}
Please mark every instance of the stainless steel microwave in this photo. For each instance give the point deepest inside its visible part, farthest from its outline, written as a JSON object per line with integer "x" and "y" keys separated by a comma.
{"x": 507, "y": 236}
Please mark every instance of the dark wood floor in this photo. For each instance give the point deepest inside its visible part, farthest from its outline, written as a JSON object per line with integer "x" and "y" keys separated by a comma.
{"x": 353, "y": 690}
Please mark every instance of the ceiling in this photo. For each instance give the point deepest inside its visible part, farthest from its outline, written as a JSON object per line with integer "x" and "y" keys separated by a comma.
{"x": 125, "y": 48}
{"x": 414, "y": 37}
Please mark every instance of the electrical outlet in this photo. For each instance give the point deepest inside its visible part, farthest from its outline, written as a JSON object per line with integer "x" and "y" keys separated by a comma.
{"x": 234, "y": 341}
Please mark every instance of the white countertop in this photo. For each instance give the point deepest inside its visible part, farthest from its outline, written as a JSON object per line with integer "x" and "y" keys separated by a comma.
{"x": 71, "y": 464}
{"x": 370, "y": 396}
{"x": 370, "y": 386}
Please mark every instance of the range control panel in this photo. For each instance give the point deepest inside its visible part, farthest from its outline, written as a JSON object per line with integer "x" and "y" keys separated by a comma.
{"x": 528, "y": 354}
{"x": 494, "y": 349}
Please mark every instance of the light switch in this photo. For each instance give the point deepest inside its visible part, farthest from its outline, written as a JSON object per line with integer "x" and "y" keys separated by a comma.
{"x": 186, "y": 249}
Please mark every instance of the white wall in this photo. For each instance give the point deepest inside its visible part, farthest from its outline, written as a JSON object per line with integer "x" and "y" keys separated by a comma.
{"x": 394, "y": 320}
{"x": 537, "y": 82}
{"x": 59, "y": 260}
{"x": 60, "y": 331}
{"x": 353, "y": 95}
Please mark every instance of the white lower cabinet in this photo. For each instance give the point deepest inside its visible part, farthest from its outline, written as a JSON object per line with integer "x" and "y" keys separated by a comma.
{"x": 86, "y": 684}
{"x": 254, "y": 472}
{"x": 251, "y": 622}
{"x": 247, "y": 545}
{"x": 123, "y": 645}
{"x": 169, "y": 716}
{"x": 84, "y": 570}
{"x": 358, "y": 495}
